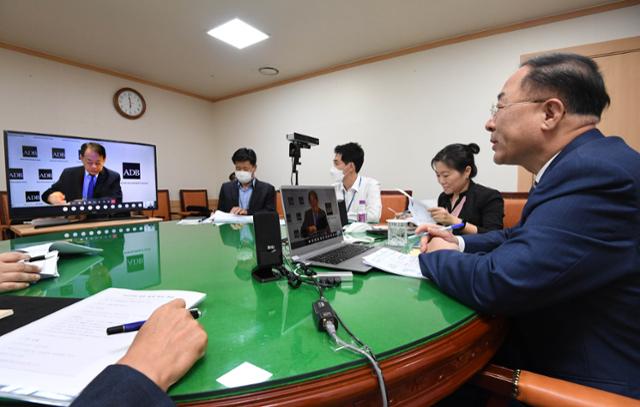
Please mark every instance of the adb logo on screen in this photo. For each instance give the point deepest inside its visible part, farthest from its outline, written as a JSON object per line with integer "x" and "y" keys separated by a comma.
{"x": 32, "y": 196}
{"x": 131, "y": 170}
{"x": 16, "y": 173}
{"x": 135, "y": 263}
{"x": 58, "y": 153}
{"x": 30, "y": 151}
{"x": 45, "y": 174}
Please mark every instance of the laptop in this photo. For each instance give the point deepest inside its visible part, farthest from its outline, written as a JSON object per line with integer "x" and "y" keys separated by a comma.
{"x": 315, "y": 230}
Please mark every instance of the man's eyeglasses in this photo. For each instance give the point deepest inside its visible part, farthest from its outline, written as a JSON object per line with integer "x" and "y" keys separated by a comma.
{"x": 497, "y": 107}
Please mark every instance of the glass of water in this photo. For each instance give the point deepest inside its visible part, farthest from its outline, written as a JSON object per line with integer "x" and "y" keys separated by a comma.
{"x": 398, "y": 229}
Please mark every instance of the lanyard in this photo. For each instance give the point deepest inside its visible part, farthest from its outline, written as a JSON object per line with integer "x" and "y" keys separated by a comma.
{"x": 344, "y": 192}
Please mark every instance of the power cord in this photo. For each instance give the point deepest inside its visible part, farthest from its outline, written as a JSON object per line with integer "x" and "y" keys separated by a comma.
{"x": 327, "y": 320}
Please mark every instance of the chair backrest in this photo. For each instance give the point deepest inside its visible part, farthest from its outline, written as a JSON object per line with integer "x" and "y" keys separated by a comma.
{"x": 164, "y": 205}
{"x": 393, "y": 201}
{"x": 5, "y": 219}
{"x": 513, "y": 204}
{"x": 279, "y": 207}
{"x": 193, "y": 197}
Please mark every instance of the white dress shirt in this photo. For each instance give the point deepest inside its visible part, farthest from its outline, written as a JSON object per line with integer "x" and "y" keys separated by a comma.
{"x": 363, "y": 188}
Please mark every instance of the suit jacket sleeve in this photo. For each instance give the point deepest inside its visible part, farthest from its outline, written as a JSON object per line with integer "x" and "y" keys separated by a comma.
{"x": 120, "y": 385}
{"x": 574, "y": 238}
{"x": 62, "y": 185}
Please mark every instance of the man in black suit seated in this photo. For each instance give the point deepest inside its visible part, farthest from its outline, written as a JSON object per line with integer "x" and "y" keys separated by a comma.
{"x": 315, "y": 219}
{"x": 92, "y": 180}
{"x": 246, "y": 195}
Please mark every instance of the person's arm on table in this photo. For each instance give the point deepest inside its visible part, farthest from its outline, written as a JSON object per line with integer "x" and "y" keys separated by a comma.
{"x": 15, "y": 274}
{"x": 557, "y": 256}
{"x": 164, "y": 349}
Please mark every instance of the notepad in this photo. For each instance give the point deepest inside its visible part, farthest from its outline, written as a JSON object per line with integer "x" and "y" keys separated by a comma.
{"x": 52, "y": 359}
{"x": 420, "y": 209}
{"x": 395, "y": 262}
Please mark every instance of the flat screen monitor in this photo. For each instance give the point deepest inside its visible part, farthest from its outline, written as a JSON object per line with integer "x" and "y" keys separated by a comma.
{"x": 34, "y": 163}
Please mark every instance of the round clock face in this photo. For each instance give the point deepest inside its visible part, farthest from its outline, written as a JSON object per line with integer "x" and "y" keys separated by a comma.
{"x": 129, "y": 103}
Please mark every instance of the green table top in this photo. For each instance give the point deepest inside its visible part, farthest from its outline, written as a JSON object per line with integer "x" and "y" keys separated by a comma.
{"x": 269, "y": 325}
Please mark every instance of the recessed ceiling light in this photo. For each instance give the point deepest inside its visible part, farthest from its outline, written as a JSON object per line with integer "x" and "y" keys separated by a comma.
{"x": 268, "y": 70}
{"x": 237, "y": 33}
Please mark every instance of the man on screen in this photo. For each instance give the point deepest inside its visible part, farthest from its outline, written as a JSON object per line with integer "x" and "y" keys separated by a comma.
{"x": 90, "y": 181}
{"x": 315, "y": 219}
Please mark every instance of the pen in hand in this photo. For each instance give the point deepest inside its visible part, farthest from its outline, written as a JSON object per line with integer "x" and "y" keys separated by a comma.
{"x": 450, "y": 227}
{"x": 135, "y": 326}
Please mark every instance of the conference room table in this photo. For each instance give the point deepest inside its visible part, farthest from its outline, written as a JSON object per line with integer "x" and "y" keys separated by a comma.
{"x": 427, "y": 343}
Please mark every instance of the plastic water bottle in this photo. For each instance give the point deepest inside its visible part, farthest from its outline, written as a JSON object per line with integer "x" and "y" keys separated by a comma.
{"x": 362, "y": 211}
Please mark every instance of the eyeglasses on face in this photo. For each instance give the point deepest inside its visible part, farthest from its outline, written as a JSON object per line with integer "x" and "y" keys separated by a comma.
{"x": 497, "y": 106}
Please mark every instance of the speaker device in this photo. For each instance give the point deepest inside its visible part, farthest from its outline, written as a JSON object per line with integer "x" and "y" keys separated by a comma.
{"x": 266, "y": 226}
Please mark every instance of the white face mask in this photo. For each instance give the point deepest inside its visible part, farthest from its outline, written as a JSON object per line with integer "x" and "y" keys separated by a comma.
{"x": 337, "y": 174}
{"x": 244, "y": 176}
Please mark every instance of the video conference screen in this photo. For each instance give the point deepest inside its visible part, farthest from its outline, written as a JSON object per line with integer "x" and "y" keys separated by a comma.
{"x": 312, "y": 214}
{"x": 35, "y": 162}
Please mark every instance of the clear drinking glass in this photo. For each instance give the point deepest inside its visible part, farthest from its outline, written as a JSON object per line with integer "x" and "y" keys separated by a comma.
{"x": 398, "y": 229}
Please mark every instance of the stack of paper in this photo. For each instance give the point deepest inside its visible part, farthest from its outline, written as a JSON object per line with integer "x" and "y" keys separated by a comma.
{"x": 394, "y": 262}
{"x": 52, "y": 359}
{"x": 224, "y": 217}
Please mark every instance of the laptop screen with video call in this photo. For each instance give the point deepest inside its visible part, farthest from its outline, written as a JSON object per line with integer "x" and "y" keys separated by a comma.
{"x": 312, "y": 216}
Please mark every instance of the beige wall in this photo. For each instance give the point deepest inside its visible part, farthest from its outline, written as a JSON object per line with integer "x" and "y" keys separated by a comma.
{"x": 44, "y": 96}
{"x": 402, "y": 110}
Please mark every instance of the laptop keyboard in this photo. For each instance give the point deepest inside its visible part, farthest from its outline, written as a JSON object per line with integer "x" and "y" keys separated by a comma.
{"x": 344, "y": 252}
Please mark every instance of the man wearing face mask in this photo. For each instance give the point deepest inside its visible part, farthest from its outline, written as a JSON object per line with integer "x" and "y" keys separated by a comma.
{"x": 246, "y": 195}
{"x": 353, "y": 187}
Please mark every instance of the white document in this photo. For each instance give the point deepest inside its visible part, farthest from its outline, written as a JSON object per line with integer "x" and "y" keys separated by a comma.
{"x": 224, "y": 217}
{"x": 48, "y": 266}
{"x": 52, "y": 359}
{"x": 392, "y": 261}
{"x": 419, "y": 209}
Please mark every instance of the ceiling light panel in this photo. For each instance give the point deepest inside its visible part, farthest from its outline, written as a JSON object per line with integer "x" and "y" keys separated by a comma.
{"x": 237, "y": 33}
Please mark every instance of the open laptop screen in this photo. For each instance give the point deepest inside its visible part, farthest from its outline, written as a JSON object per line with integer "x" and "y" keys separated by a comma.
{"x": 312, "y": 215}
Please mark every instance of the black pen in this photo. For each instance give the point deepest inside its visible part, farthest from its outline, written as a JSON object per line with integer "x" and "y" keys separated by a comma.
{"x": 135, "y": 326}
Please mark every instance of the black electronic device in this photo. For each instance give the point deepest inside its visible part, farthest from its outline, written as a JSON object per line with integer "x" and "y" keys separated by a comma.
{"x": 34, "y": 162}
{"x": 342, "y": 208}
{"x": 297, "y": 142}
{"x": 266, "y": 226}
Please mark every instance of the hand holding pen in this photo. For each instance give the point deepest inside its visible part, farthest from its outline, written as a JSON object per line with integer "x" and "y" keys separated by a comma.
{"x": 436, "y": 237}
{"x": 168, "y": 344}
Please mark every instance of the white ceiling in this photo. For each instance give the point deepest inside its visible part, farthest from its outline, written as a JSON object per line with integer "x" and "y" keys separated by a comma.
{"x": 165, "y": 41}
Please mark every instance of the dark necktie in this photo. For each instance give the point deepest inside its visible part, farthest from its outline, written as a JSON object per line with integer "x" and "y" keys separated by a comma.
{"x": 92, "y": 184}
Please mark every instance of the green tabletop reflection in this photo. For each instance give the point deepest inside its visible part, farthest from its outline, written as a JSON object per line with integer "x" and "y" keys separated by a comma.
{"x": 269, "y": 325}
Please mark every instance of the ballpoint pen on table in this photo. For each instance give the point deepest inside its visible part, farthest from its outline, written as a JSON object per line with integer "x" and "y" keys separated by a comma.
{"x": 135, "y": 326}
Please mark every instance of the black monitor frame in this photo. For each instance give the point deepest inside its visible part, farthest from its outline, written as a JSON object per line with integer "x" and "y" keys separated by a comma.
{"x": 25, "y": 213}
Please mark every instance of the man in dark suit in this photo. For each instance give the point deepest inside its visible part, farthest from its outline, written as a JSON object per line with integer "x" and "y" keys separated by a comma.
{"x": 246, "y": 195}
{"x": 92, "y": 180}
{"x": 568, "y": 274}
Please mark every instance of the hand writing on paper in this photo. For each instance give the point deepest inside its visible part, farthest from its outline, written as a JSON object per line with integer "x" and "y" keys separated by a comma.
{"x": 437, "y": 239}
{"x": 16, "y": 274}
{"x": 167, "y": 345}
